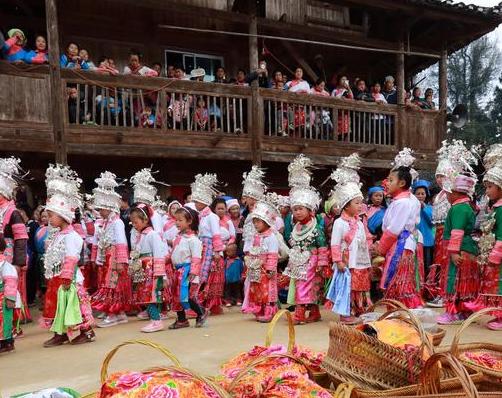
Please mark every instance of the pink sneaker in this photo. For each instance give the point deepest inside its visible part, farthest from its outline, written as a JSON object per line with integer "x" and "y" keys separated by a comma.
{"x": 450, "y": 319}
{"x": 153, "y": 326}
{"x": 473, "y": 306}
{"x": 143, "y": 315}
{"x": 495, "y": 324}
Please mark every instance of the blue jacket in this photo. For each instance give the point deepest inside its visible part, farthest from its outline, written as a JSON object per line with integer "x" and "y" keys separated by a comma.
{"x": 425, "y": 225}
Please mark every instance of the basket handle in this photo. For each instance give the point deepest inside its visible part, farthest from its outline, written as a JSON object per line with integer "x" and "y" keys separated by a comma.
{"x": 291, "y": 329}
{"x": 416, "y": 324}
{"x": 393, "y": 304}
{"x": 344, "y": 390}
{"x": 259, "y": 361}
{"x": 465, "y": 324}
{"x": 430, "y": 376}
{"x": 147, "y": 343}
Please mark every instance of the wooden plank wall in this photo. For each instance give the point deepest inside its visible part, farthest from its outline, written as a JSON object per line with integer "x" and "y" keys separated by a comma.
{"x": 292, "y": 11}
{"x": 24, "y": 99}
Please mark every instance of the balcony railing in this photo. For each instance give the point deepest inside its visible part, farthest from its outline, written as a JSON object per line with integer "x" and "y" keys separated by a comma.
{"x": 144, "y": 116}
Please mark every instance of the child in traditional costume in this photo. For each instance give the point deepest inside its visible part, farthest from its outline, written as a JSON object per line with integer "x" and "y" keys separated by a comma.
{"x": 8, "y": 298}
{"x": 212, "y": 274}
{"x": 67, "y": 305}
{"x": 145, "y": 192}
{"x": 147, "y": 266}
{"x": 186, "y": 259}
{"x": 308, "y": 257}
{"x": 462, "y": 283}
{"x": 490, "y": 246}
{"x": 110, "y": 251}
{"x": 436, "y": 278}
{"x": 234, "y": 268}
{"x": 253, "y": 190}
{"x": 261, "y": 262}
{"x": 399, "y": 240}
{"x": 349, "y": 245}
{"x": 13, "y": 230}
{"x": 170, "y": 230}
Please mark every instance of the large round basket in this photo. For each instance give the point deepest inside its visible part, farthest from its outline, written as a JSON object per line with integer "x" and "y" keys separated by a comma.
{"x": 488, "y": 353}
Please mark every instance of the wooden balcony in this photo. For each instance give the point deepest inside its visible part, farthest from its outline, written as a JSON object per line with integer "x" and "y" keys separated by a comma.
{"x": 245, "y": 123}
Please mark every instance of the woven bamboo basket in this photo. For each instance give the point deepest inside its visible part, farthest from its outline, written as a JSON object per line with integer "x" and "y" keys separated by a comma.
{"x": 176, "y": 365}
{"x": 430, "y": 385}
{"x": 370, "y": 364}
{"x": 321, "y": 378}
{"x": 459, "y": 350}
{"x": 250, "y": 367}
{"x": 436, "y": 338}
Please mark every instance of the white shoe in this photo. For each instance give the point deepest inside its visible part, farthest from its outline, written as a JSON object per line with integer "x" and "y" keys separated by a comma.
{"x": 110, "y": 320}
{"x": 122, "y": 318}
{"x": 436, "y": 303}
{"x": 143, "y": 315}
{"x": 153, "y": 326}
{"x": 164, "y": 316}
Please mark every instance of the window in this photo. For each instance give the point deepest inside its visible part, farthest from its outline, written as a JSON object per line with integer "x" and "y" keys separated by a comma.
{"x": 192, "y": 61}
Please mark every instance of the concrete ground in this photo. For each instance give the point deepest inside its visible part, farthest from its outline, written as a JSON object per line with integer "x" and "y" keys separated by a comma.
{"x": 33, "y": 367}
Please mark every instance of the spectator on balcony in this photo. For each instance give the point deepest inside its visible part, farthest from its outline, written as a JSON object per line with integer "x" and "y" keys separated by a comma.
{"x": 136, "y": 67}
{"x": 105, "y": 67}
{"x": 378, "y": 119}
{"x": 260, "y": 74}
{"x": 179, "y": 73}
{"x": 13, "y": 48}
{"x": 110, "y": 105}
{"x": 197, "y": 74}
{"x": 201, "y": 115}
{"x": 178, "y": 111}
{"x": 389, "y": 90}
{"x": 111, "y": 62}
{"x": 320, "y": 116}
{"x": 71, "y": 59}
{"x": 39, "y": 54}
{"x": 240, "y": 79}
{"x": 170, "y": 71}
{"x": 277, "y": 80}
{"x": 298, "y": 85}
{"x": 84, "y": 57}
{"x": 221, "y": 76}
{"x": 343, "y": 91}
{"x": 73, "y": 99}
{"x": 428, "y": 100}
{"x": 157, "y": 67}
{"x": 147, "y": 119}
{"x": 361, "y": 92}
{"x": 416, "y": 98}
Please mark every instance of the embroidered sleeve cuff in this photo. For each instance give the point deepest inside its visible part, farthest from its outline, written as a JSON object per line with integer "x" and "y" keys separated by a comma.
{"x": 159, "y": 267}
{"x": 10, "y": 288}
{"x": 455, "y": 241}
{"x": 19, "y": 231}
{"x": 68, "y": 269}
{"x": 271, "y": 261}
{"x": 195, "y": 266}
{"x": 322, "y": 257}
{"x": 217, "y": 243}
{"x": 495, "y": 256}
{"x": 386, "y": 242}
{"x": 121, "y": 253}
{"x": 336, "y": 253}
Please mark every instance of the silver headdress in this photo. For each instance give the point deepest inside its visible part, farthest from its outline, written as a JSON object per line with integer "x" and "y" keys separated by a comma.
{"x": 253, "y": 185}
{"x": 405, "y": 158}
{"x": 267, "y": 208}
{"x": 159, "y": 205}
{"x": 494, "y": 174}
{"x": 443, "y": 160}
{"x": 300, "y": 175}
{"x": 204, "y": 188}
{"x": 492, "y": 155}
{"x": 63, "y": 191}
{"x": 283, "y": 201}
{"x": 104, "y": 195}
{"x": 144, "y": 190}
{"x": 461, "y": 176}
{"x": 300, "y": 172}
{"x": 10, "y": 171}
{"x": 347, "y": 181}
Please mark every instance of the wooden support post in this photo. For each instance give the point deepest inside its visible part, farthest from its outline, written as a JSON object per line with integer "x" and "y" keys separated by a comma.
{"x": 443, "y": 79}
{"x": 56, "y": 89}
{"x": 400, "y": 77}
{"x": 253, "y": 40}
{"x": 256, "y": 125}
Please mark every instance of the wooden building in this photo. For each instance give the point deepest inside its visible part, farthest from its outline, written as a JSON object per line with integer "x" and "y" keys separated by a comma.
{"x": 102, "y": 128}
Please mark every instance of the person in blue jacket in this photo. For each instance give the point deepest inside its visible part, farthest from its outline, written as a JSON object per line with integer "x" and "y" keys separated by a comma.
{"x": 421, "y": 189}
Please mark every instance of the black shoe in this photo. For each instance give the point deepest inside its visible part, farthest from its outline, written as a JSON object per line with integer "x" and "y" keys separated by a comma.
{"x": 201, "y": 320}
{"x": 179, "y": 325}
